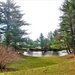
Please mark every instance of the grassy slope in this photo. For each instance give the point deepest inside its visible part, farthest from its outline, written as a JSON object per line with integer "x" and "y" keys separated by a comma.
{"x": 43, "y": 66}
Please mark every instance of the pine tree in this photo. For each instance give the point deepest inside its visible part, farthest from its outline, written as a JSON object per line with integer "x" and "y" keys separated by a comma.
{"x": 41, "y": 39}
{"x": 11, "y": 22}
{"x": 68, "y": 22}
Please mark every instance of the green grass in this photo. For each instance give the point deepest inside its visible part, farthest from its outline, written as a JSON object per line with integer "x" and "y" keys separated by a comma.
{"x": 43, "y": 66}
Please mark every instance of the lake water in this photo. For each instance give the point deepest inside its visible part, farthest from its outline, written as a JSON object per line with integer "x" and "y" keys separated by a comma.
{"x": 48, "y": 53}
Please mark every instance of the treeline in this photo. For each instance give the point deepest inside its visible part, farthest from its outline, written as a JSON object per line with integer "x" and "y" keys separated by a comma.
{"x": 51, "y": 41}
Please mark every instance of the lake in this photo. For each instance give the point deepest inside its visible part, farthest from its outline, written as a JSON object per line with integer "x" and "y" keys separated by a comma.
{"x": 47, "y": 53}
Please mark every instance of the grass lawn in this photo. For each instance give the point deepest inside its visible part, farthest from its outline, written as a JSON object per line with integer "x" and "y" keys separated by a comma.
{"x": 43, "y": 66}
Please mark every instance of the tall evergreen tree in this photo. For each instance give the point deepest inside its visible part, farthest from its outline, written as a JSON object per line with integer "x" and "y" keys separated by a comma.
{"x": 11, "y": 22}
{"x": 68, "y": 22}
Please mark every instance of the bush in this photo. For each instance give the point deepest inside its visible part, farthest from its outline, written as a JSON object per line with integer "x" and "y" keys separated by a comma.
{"x": 7, "y": 56}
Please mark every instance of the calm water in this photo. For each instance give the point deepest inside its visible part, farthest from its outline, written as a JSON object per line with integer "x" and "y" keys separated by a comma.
{"x": 48, "y": 53}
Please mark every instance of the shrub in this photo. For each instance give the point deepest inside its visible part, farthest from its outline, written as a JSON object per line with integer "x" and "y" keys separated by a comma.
{"x": 7, "y": 56}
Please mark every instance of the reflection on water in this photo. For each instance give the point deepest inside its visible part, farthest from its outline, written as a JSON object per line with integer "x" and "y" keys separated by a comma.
{"x": 47, "y": 53}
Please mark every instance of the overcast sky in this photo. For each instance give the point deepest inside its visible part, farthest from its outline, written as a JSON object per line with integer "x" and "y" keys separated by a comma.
{"x": 43, "y": 15}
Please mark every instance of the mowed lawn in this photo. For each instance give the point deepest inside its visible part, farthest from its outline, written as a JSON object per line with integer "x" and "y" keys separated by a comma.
{"x": 43, "y": 66}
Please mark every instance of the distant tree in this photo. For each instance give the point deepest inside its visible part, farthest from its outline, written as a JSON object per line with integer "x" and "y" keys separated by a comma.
{"x": 29, "y": 43}
{"x": 56, "y": 42}
{"x": 46, "y": 43}
{"x": 41, "y": 39}
{"x": 37, "y": 43}
{"x": 50, "y": 35}
{"x": 11, "y": 22}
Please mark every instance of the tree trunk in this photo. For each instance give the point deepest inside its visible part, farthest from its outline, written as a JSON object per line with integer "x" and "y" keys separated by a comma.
{"x": 69, "y": 51}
